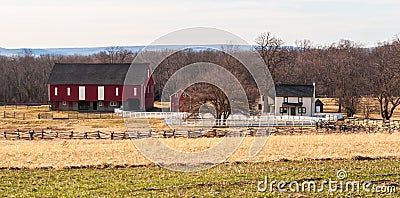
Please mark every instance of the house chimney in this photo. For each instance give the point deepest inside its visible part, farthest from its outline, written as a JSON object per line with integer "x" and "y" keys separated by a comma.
{"x": 314, "y": 88}
{"x": 313, "y": 102}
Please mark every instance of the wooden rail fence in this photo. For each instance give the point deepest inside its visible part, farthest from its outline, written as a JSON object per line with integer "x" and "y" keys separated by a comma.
{"x": 56, "y": 116}
{"x": 50, "y": 135}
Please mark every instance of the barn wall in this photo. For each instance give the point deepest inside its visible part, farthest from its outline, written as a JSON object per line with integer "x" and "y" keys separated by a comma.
{"x": 149, "y": 96}
{"x": 91, "y": 95}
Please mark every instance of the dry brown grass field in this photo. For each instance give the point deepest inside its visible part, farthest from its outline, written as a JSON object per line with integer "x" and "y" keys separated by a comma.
{"x": 331, "y": 106}
{"x": 99, "y": 153}
{"x": 86, "y": 121}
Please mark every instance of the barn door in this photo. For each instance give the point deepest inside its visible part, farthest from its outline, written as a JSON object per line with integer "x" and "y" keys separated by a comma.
{"x": 95, "y": 106}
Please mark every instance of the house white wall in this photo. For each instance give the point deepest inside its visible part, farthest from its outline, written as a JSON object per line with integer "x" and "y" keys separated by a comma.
{"x": 307, "y": 103}
{"x": 267, "y": 104}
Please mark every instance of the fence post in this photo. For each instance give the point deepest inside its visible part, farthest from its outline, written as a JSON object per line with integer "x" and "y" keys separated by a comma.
{"x": 5, "y": 135}
{"x": 42, "y": 134}
{"x": 31, "y": 135}
{"x": 112, "y": 135}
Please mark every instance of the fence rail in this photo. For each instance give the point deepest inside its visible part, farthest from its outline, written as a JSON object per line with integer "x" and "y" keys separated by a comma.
{"x": 99, "y": 135}
{"x": 179, "y": 119}
{"x": 24, "y": 106}
{"x": 151, "y": 115}
{"x": 265, "y": 121}
{"x": 56, "y": 116}
{"x": 199, "y": 133}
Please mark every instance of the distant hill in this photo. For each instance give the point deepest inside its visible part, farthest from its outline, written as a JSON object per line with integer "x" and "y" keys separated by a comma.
{"x": 94, "y": 50}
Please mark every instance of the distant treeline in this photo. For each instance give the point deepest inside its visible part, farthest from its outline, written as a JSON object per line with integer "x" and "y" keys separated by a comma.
{"x": 345, "y": 70}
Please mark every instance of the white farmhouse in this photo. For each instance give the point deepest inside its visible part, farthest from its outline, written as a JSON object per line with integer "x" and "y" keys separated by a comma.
{"x": 295, "y": 100}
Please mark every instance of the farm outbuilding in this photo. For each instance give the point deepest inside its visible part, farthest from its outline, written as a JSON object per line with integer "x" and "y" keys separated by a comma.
{"x": 319, "y": 106}
{"x": 101, "y": 87}
{"x": 180, "y": 102}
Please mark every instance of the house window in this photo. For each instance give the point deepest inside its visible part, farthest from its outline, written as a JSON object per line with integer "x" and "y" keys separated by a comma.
{"x": 285, "y": 100}
{"x": 300, "y": 99}
{"x": 100, "y": 93}
{"x": 100, "y": 103}
{"x": 259, "y": 106}
{"x": 68, "y": 91}
{"x": 283, "y": 110}
{"x": 134, "y": 91}
{"x": 113, "y": 104}
{"x": 116, "y": 91}
{"x": 55, "y": 91}
{"x": 64, "y": 103}
{"x": 302, "y": 110}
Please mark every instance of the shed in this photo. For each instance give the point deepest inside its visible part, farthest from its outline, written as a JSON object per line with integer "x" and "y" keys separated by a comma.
{"x": 319, "y": 106}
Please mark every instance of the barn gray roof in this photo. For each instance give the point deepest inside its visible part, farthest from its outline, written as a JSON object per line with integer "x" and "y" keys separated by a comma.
{"x": 98, "y": 74}
{"x": 286, "y": 90}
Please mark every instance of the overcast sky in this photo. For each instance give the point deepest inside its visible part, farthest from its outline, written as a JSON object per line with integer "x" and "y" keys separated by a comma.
{"x": 90, "y": 23}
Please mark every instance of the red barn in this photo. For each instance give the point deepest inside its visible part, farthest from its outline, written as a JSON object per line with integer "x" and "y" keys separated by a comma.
{"x": 180, "y": 102}
{"x": 101, "y": 87}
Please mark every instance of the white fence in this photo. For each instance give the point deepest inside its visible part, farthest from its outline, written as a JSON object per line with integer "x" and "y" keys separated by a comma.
{"x": 151, "y": 115}
{"x": 262, "y": 121}
{"x": 179, "y": 119}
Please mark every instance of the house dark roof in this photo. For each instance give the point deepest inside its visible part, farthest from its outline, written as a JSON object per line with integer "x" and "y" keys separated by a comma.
{"x": 318, "y": 102}
{"x": 97, "y": 74}
{"x": 286, "y": 90}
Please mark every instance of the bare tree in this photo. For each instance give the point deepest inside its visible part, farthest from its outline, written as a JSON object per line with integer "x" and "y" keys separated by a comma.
{"x": 115, "y": 54}
{"x": 386, "y": 69}
{"x": 271, "y": 51}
